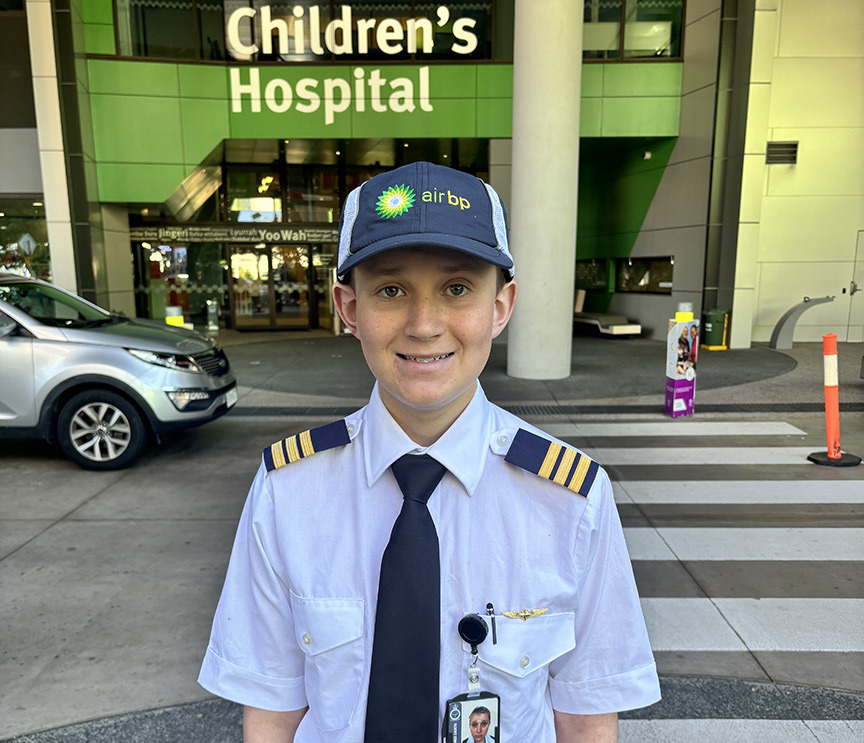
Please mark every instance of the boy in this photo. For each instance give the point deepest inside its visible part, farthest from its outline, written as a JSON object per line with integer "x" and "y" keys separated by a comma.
{"x": 315, "y": 633}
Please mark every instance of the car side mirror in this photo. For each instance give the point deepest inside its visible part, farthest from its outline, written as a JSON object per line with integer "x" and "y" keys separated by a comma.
{"x": 7, "y": 328}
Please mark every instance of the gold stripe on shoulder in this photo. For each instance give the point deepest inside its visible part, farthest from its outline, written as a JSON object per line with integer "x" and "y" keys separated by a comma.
{"x": 549, "y": 461}
{"x": 306, "y": 444}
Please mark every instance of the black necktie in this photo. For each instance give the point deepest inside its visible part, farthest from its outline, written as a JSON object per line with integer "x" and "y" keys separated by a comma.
{"x": 406, "y": 654}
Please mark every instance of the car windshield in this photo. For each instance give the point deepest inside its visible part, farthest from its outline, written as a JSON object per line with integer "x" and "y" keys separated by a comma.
{"x": 54, "y": 307}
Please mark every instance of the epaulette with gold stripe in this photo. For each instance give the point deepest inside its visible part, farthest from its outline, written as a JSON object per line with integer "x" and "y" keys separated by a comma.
{"x": 305, "y": 444}
{"x": 553, "y": 461}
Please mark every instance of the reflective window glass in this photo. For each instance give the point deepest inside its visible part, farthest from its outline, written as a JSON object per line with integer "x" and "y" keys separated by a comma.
{"x": 254, "y": 196}
{"x": 154, "y": 28}
{"x": 24, "y": 238}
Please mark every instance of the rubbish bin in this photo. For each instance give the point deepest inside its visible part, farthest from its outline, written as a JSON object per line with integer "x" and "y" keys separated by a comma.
{"x": 714, "y": 329}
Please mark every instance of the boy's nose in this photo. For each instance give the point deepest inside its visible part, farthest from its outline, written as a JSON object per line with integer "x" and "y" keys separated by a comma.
{"x": 424, "y": 320}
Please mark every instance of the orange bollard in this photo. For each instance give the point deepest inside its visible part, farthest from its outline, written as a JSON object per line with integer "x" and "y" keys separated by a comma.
{"x": 833, "y": 457}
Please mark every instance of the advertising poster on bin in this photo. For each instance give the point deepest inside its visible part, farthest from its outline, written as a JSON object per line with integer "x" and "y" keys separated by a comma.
{"x": 682, "y": 342}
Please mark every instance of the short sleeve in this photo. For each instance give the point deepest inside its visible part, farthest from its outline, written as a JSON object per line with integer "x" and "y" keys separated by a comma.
{"x": 611, "y": 669}
{"x": 252, "y": 658}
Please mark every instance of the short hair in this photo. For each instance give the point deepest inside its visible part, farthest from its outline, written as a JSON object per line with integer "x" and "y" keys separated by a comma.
{"x": 481, "y": 711}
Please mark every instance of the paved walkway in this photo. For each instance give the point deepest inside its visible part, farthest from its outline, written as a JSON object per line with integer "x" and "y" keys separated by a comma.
{"x": 748, "y": 558}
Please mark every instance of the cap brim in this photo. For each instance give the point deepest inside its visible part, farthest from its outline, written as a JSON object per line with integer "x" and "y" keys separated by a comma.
{"x": 481, "y": 251}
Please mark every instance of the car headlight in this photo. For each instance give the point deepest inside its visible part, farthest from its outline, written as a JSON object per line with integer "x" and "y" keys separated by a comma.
{"x": 176, "y": 361}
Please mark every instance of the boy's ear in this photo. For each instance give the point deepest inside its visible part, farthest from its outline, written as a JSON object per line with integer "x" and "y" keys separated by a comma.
{"x": 346, "y": 305}
{"x": 504, "y": 303}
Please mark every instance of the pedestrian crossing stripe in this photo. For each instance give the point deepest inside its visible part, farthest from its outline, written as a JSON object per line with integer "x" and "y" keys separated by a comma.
{"x": 553, "y": 461}
{"x": 305, "y": 444}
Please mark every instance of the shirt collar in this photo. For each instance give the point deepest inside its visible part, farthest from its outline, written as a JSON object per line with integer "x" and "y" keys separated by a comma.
{"x": 462, "y": 449}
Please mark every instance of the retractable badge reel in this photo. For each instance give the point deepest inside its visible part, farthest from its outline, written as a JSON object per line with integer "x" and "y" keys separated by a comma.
{"x": 473, "y": 630}
{"x": 475, "y": 706}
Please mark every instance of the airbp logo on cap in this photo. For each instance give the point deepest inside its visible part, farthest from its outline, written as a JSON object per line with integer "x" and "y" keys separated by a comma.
{"x": 395, "y": 201}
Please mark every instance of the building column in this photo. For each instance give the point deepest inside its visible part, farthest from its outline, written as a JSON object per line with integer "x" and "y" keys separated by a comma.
{"x": 547, "y": 82}
{"x": 52, "y": 155}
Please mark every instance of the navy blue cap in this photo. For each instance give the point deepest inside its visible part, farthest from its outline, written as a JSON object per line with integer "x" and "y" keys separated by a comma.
{"x": 423, "y": 205}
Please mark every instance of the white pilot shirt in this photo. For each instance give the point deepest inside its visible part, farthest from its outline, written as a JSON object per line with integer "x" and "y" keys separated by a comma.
{"x": 294, "y": 625}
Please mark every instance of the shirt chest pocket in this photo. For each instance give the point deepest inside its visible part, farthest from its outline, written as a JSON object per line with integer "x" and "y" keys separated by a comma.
{"x": 516, "y": 668}
{"x": 330, "y": 634}
{"x": 524, "y": 646}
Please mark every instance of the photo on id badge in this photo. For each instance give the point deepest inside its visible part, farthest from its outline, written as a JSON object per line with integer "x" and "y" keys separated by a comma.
{"x": 472, "y": 718}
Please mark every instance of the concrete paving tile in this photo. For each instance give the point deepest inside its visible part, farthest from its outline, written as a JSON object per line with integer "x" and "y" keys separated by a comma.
{"x": 688, "y": 624}
{"x": 830, "y": 579}
{"x": 719, "y": 731}
{"x": 742, "y": 492}
{"x": 204, "y": 473}
{"x": 834, "y": 731}
{"x": 692, "y": 456}
{"x": 818, "y": 668}
{"x": 797, "y": 624}
{"x": 107, "y": 617}
{"x": 764, "y": 544}
{"x": 14, "y": 533}
{"x": 32, "y": 490}
{"x": 665, "y": 579}
{"x": 708, "y": 664}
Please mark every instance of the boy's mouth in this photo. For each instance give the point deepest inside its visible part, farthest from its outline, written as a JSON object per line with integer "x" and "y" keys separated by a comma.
{"x": 424, "y": 359}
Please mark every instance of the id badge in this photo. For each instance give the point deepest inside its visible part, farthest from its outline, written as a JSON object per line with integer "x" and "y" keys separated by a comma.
{"x": 472, "y": 717}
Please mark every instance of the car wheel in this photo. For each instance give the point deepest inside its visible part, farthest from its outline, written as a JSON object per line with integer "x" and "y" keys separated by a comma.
{"x": 101, "y": 430}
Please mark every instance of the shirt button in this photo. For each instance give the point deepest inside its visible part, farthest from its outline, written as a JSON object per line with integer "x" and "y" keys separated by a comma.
{"x": 502, "y": 440}
{"x": 307, "y": 638}
{"x": 524, "y": 662}
{"x": 351, "y": 429}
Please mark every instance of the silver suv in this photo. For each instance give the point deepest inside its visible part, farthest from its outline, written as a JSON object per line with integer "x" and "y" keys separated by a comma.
{"x": 98, "y": 383}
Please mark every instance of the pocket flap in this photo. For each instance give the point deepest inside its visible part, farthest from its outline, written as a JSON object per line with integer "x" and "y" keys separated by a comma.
{"x": 525, "y": 646}
{"x": 323, "y": 624}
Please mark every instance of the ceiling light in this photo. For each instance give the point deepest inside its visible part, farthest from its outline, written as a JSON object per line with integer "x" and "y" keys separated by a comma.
{"x": 38, "y": 203}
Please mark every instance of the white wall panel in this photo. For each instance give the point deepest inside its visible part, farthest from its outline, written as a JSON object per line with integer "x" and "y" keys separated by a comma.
{"x": 740, "y": 332}
{"x": 752, "y": 188}
{"x": 837, "y": 34}
{"x": 758, "y": 104}
{"x": 748, "y": 254}
{"x": 40, "y": 33}
{"x": 830, "y": 161}
{"x": 782, "y": 285}
{"x": 796, "y": 229}
{"x": 817, "y": 92}
{"x": 764, "y": 46}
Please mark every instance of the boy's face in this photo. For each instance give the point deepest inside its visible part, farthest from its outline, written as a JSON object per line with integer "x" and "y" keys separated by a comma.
{"x": 425, "y": 318}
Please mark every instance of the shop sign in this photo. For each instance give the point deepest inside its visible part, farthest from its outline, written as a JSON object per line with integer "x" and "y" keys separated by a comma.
{"x": 223, "y": 233}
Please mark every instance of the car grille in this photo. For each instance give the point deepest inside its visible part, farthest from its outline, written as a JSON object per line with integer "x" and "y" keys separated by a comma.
{"x": 214, "y": 362}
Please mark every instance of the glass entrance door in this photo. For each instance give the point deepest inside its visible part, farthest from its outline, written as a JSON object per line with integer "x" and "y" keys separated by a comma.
{"x": 270, "y": 287}
{"x": 281, "y": 286}
{"x": 291, "y": 291}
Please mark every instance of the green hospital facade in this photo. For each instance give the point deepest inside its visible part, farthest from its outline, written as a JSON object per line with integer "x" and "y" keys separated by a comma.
{"x": 203, "y": 165}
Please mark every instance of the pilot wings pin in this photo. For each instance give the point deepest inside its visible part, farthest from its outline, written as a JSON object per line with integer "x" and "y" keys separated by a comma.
{"x": 525, "y": 614}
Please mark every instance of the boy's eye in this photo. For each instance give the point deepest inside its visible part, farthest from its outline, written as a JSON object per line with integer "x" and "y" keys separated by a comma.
{"x": 457, "y": 290}
{"x": 391, "y": 292}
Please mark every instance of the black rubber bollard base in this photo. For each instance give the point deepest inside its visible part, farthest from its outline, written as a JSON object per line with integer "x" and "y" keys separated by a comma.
{"x": 846, "y": 460}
